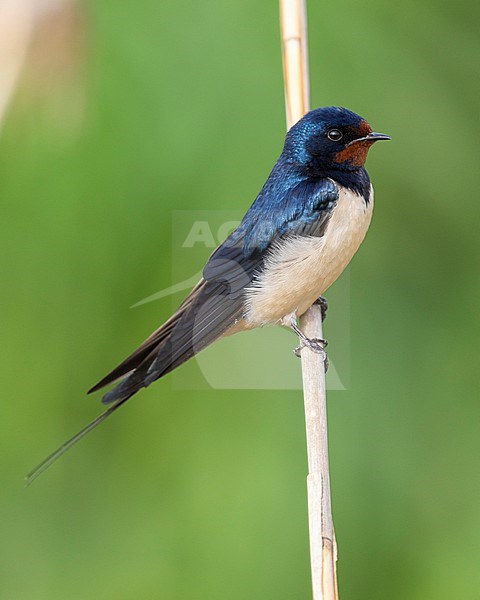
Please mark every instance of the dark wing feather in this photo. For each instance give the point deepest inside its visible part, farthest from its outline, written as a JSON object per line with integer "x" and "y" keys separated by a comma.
{"x": 304, "y": 210}
{"x": 209, "y": 315}
{"x": 217, "y": 301}
{"x": 152, "y": 342}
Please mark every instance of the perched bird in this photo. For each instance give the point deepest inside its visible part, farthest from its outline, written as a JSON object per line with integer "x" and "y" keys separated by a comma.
{"x": 297, "y": 237}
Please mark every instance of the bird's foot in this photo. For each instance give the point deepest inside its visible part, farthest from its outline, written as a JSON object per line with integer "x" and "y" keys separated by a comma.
{"x": 322, "y": 302}
{"x": 317, "y": 345}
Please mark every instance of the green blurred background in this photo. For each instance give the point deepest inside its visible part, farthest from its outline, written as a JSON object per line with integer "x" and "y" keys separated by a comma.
{"x": 127, "y": 111}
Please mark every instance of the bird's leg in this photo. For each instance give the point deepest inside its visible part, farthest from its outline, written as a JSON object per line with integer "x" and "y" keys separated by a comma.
{"x": 318, "y": 345}
{"x": 322, "y": 302}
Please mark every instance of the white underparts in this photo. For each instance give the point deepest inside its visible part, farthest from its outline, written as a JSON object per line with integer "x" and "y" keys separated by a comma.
{"x": 299, "y": 269}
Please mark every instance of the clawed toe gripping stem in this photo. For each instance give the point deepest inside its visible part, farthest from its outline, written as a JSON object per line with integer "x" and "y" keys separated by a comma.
{"x": 317, "y": 345}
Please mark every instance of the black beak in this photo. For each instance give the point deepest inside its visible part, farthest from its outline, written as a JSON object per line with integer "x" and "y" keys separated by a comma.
{"x": 371, "y": 137}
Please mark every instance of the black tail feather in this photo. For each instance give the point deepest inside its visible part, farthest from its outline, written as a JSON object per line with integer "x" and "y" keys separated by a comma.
{"x": 43, "y": 466}
{"x": 142, "y": 353}
{"x": 206, "y": 319}
{"x": 206, "y": 314}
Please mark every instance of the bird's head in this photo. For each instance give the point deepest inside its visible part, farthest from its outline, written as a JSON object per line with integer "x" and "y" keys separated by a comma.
{"x": 331, "y": 138}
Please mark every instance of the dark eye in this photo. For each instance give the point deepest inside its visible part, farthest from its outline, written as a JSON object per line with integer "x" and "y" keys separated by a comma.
{"x": 334, "y": 135}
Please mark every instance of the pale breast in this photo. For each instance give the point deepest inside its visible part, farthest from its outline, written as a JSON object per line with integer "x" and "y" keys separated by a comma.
{"x": 300, "y": 269}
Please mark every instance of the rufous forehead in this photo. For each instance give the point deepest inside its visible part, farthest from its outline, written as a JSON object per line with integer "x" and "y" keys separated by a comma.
{"x": 363, "y": 128}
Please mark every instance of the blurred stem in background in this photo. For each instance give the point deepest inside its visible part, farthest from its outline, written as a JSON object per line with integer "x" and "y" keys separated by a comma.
{"x": 41, "y": 46}
{"x": 16, "y": 25}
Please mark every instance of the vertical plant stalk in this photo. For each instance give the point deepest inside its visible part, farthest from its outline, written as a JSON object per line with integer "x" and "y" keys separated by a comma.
{"x": 323, "y": 550}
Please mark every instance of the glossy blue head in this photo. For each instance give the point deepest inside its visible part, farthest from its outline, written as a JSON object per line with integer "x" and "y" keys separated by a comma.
{"x": 330, "y": 138}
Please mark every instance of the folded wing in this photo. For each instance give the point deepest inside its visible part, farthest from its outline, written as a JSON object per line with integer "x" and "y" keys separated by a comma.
{"x": 216, "y": 303}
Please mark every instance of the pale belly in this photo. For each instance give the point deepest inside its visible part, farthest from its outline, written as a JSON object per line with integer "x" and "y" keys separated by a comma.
{"x": 302, "y": 268}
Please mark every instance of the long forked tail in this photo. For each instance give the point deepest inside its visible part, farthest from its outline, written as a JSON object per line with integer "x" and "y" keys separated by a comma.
{"x": 203, "y": 317}
{"x": 54, "y": 456}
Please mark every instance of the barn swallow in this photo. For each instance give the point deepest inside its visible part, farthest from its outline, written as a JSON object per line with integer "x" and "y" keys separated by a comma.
{"x": 297, "y": 237}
